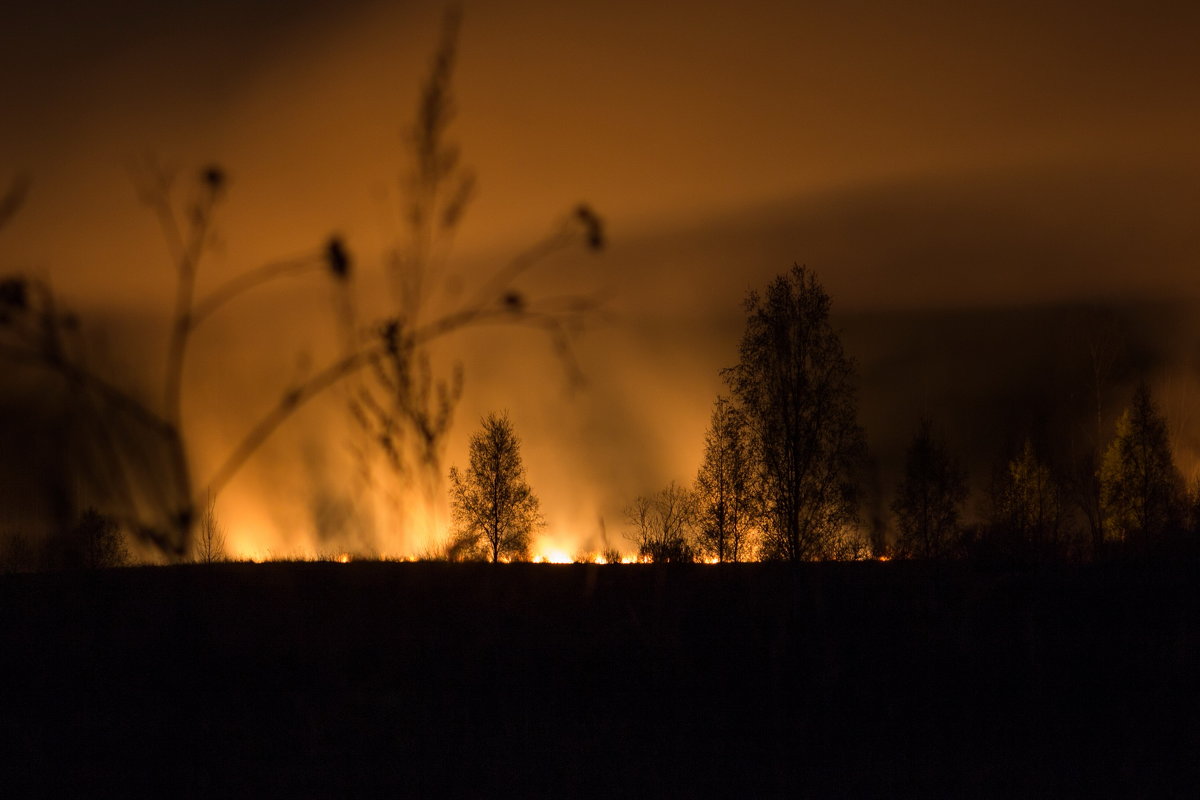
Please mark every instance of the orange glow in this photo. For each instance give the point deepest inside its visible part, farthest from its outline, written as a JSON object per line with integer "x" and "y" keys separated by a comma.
{"x": 249, "y": 544}
{"x": 263, "y": 526}
{"x": 925, "y": 151}
{"x": 884, "y": 558}
{"x": 553, "y": 557}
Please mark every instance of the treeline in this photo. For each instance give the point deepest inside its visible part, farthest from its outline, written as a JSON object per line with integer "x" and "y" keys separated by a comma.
{"x": 783, "y": 474}
{"x": 784, "y": 478}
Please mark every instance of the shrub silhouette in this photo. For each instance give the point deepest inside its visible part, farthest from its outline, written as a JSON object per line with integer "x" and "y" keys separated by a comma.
{"x": 95, "y": 542}
{"x": 663, "y": 525}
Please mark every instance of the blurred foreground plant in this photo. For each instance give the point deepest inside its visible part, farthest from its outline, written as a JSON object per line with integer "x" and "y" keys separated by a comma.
{"x": 146, "y": 473}
{"x": 401, "y": 404}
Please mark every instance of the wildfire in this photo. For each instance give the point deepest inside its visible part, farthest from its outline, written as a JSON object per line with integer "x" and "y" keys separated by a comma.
{"x": 344, "y": 558}
{"x": 553, "y": 557}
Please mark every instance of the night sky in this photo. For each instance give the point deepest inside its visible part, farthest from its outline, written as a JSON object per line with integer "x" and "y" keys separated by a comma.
{"x": 979, "y": 186}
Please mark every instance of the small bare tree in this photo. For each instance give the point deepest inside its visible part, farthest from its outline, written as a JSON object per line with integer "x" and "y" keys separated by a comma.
{"x": 494, "y": 509}
{"x": 209, "y": 543}
{"x": 663, "y": 525}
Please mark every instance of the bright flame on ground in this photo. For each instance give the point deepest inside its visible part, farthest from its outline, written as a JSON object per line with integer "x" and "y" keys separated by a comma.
{"x": 885, "y": 558}
{"x": 344, "y": 558}
{"x": 553, "y": 557}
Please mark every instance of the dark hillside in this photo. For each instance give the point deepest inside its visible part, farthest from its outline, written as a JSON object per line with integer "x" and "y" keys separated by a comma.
{"x": 328, "y": 679}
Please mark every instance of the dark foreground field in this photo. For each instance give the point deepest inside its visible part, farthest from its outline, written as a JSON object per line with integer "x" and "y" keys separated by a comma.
{"x": 325, "y": 679}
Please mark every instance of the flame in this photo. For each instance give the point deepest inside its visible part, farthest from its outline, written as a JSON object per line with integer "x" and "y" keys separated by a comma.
{"x": 344, "y": 558}
{"x": 248, "y": 544}
{"x": 553, "y": 557}
{"x": 884, "y": 558}
{"x": 260, "y": 526}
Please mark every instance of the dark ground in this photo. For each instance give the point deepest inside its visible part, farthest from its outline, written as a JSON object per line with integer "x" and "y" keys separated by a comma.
{"x": 863, "y": 679}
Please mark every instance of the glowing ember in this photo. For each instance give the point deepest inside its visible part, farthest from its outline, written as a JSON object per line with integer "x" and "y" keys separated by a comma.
{"x": 885, "y": 558}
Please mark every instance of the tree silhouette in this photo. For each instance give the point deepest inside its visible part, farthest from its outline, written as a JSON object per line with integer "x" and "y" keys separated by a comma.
{"x": 796, "y": 388}
{"x": 1141, "y": 491}
{"x": 209, "y": 543}
{"x": 1105, "y": 351}
{"x": 929, "y": 498}
{"x": 1029, "y": 520}
{"x": 662, "y": 525}
{"x": 727, "y": 506}
{"x": 494, "y": 509}
{"x": 96, "y": 542}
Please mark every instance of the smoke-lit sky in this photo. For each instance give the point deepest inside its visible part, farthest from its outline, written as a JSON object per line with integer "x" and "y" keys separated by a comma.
{"x": 936, "y": 162}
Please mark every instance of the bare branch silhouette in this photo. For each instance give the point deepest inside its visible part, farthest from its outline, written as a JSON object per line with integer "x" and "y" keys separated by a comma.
{"x": 407, "y": 399}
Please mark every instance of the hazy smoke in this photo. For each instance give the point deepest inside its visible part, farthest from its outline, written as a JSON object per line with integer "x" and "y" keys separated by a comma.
{"x": 968, "y": 292}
